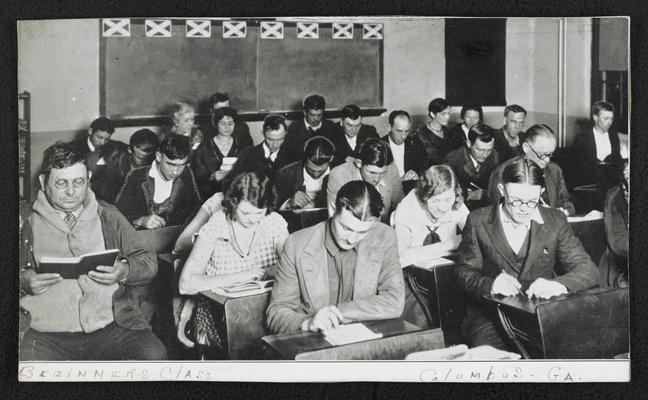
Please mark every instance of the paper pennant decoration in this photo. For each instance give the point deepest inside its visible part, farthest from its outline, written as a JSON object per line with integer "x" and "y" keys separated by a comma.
{"x": 372, "y": 31}
{"x": 158, "y": 28}
{"x": 199, "y": 28}
{"x": 307, "y": 31}
{"x": 272, "y": 30}
{"x": 342, "y": 31}
{"x": 116, "y": 27}
{"x": 234, "y": 29}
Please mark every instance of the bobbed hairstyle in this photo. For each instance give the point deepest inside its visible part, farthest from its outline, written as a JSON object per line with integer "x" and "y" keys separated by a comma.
{"x": 254, "y": 187}
{"x": 360, "y": 199}
{"x": 221, "y": 113}
{"x": 375, "y": 152}
{"x": 60, "y": 155}
{"x": 437, "y": 105}
{"x": 436, "y": 180}
{"x": 523, "y": 171}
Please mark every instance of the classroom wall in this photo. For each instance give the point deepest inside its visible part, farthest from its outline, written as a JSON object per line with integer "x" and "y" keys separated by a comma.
{"x": 58, "y": 63}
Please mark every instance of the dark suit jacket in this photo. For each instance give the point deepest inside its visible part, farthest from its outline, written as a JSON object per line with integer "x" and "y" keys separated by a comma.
{"x": 302, "y": 286}
{"x": 342, "y": 148}
{"x": 92, "y": 157}
{"x": 505, "y": 151}
{"x": 207, "y": 159}
{"x": 461, "y": 163}
{"x": 135, "y": 198}
{"x": 585, "y": 163}
{"x": 414, "y": 154}
{"x": 298, "y": 133}
{"x": 252, "y": 159}
{"x": 484, "y": 253}
{"x": 436, "y": 148}
{"x": 290, "y": 179}
{"x": 456, "y": 132}
{"x": 554, "y": 185}
{"x": 241, "y": 133}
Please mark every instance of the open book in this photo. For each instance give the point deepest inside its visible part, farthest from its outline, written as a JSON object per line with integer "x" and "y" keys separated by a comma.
{"x": 73, "y": 267}
{"x": 245, "y": 288}
{"x": 349, "y": 333}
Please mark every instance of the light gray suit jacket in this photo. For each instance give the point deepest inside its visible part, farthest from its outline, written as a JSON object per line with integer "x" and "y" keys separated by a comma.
{"x": 302, "y": 287}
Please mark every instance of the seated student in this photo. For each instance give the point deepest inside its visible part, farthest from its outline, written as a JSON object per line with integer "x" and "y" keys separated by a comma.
{"x": 349, "y": 134}
{"x": 515, "y": 247}
{"x": 313, "y": 124}
{"x": 108, "y": 177}
{"x": 142, "y": 146}
{"x": 471, "y": 115}
{"x": 374, "y": 165}
{"x": 437, "y": 139}
{"x": 538, "y": 146}
{"x": 241, "y": 128}
{"x": 267, "y": 157}
{"x": 473, "y": 165}
{"x": 596, "y": 147}
{"x": 341, "y": 270}
{"x": 303, "y": 184}
{"x": 183, "y": 115}
{"x": 239, "y": 243}
{"x": 427, "y": 223}
{"x": 164, "y": 193}
{"x": 99, "y": 133}
{"x": 207, "y": 160}
{"x": 408, "y": 152}
{"x": 98, "y": 315}
{"x": 613, "y": 265}
{"x": 507, "y": 138}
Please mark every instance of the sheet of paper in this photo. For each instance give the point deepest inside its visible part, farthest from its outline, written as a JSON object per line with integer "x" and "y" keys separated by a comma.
{"x": 350, "y": 333}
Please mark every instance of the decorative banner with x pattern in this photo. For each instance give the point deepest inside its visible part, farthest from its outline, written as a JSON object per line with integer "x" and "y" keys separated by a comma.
{"x": 202, "y": 28}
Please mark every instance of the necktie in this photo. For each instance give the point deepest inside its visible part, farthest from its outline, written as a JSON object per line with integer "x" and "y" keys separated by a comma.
{"x": 477, "y": 167}
{"x": 70, "y": 219}
{"x": 431, "y": 238}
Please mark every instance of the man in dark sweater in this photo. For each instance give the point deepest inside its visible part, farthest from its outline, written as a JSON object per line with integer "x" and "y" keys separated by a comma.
{"x": 312, "y": 124}
{"x": 349, "y": 134}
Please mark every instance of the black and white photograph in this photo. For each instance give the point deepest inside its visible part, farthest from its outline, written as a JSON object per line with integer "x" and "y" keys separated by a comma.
{"x": 291, "y": 199}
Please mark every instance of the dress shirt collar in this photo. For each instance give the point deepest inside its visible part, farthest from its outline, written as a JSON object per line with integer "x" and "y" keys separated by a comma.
{"x": 314, "y": 128}
{"x": 90, "y": 145}
{"x": 266, "y": 153}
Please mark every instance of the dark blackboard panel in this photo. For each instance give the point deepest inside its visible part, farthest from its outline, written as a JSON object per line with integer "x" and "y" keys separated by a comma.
{"x": 142, "y": 76}
{"x": 475, "y": 52}
{"x": 345, "y": 71}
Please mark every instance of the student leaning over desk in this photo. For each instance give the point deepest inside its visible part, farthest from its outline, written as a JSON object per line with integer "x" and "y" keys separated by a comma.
{"x": 239, "y": 243}
{"x": 514, "y": 247}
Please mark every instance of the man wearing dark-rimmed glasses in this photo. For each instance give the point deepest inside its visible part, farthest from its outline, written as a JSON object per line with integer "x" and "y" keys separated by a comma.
{"x": 538, "y": 147}
{"x": 96, "y": 316}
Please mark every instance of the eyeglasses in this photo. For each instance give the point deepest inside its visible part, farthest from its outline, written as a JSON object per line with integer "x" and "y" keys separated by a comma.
{"x": 545, "y": 157}
{"x": 530, "y": 203}
{"x": 62, "y": 184}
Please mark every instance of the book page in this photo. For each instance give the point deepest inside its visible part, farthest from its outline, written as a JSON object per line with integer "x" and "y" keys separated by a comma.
{"x": 350, "y": 333}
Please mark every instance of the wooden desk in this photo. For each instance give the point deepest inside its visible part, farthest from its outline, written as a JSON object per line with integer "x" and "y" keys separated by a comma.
{"x": 446, "y": 301}
{"x": 242, "y": 324}
{"x": 304, "y": 219}
{"x": 400, "y": 338}
{"x": 588, "y": 324}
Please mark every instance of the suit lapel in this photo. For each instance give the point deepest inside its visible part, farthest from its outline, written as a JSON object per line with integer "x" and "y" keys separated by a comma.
{"x": 314, "y": 266}
{"x": 498, "y": 239}
{"x": 537, "y": 239}
{"x": 367, "y": 270}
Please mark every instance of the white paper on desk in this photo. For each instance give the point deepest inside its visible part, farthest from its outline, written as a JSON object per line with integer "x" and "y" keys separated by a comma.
{"x": 234, "y": 295}
{"x": 350, "y": 333}
{"x": 435, "y": 262}
{"x": 590, "y": 216}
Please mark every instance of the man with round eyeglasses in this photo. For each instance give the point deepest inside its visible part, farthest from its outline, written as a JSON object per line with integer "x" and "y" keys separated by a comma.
{"x": 538, "y": 147}
{"x": 98, "y": 315}
{"x": 513, "y": 248}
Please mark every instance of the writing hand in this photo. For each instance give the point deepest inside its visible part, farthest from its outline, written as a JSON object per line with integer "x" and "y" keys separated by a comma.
{"x": 326, "y": 318}
{"x": 506, "y": 285}
{"x": 544, "y": 289}
{"x": 150, "y": 222}
{"x": 300, "y": 200}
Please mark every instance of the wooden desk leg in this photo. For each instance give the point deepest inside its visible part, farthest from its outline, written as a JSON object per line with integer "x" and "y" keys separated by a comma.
{"x": 508, "y": 328}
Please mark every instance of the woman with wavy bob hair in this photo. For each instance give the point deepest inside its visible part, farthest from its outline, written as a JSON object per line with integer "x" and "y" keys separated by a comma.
{"x": 240, "y": 242}
{"x": 428, "y": 224}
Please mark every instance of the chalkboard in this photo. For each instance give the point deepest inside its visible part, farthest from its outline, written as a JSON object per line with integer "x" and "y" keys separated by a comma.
{"x": 142, "y": 76}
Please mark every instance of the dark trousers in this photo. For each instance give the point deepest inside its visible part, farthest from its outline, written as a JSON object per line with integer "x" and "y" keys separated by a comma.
{"x": 110, "y": 343}
{"x": 487, "y": 333}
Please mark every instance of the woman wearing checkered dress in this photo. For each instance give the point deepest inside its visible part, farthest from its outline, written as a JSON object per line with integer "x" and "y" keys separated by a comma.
{"x": 239, "y": 243}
